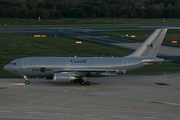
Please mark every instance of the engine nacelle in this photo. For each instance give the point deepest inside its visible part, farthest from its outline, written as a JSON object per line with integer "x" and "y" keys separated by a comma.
{"x": 62, "y": 78}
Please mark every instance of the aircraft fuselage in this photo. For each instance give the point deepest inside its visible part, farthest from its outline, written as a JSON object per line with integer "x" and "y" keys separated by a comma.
{"x": 47, "y": 66}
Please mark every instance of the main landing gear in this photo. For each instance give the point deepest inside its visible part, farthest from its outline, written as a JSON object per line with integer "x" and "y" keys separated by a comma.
{"x": 82, "y": 82}
{"x": 27, "y": 81}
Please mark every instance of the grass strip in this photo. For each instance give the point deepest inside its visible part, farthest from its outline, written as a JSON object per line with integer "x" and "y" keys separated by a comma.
{"x": 88, "y": 22}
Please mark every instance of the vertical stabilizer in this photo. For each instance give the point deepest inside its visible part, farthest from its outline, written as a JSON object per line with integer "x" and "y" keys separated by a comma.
{"x": 151, "y": 45}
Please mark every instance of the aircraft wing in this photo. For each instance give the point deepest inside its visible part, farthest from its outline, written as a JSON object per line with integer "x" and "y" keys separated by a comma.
{"x": 85, "y": 70}
{"x": 88, "y": 72}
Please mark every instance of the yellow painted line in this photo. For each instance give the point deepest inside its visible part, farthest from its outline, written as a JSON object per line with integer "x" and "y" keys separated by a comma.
{"x": 16, "y": 84}
{"x": 95, "y": 89}
{"x": 82, "y": 88}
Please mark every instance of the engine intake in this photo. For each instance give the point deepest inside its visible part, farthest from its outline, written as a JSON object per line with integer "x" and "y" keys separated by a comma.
{"x": 62, "y": 78}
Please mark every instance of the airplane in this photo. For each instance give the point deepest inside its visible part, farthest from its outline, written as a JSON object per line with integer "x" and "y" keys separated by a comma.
{"x": 66, "y": 69}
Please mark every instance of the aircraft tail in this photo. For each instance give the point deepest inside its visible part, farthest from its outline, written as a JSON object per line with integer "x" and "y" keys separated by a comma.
{"x": 151, "y": 46}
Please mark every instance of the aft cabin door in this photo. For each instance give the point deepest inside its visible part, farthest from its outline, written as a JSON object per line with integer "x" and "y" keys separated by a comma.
{"x": 125, "y": 64}
{"x": 26, "y": 63}
{"x": 68, "y": 64}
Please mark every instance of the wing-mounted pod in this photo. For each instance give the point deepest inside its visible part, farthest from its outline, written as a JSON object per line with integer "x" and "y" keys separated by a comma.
{"x": 62, "y": 78}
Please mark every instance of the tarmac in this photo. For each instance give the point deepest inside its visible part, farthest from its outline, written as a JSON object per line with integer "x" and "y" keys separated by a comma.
{"x": 123, "y": 97}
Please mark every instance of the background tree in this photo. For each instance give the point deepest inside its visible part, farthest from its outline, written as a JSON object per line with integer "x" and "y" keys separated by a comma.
{"x": 2, "y": 11}
{"x": 97, "y": 11}
{"x": 51, "y": 14}
{"x": 40, "y": 5}
{"x": 45, "y": 13}
{"x": 64, "y": 8}
{"x": 8, "y": 13}
{"x": 89, "y": 10}
{"x": 24, "y": 13}
{"x": 77, "y": 13}
{"x": 57, "y": 14}
{"x": 17, "y": 14}
{"x": 48, "y": 5}
{"x": 33, "y": 13}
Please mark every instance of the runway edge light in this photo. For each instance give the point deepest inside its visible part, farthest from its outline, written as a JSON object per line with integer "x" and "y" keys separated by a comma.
{"x": 78, "y": 42}
{"x": 174, "y": 41}
{"x": 37, "y": 35}
{"x": 133, "y": 36}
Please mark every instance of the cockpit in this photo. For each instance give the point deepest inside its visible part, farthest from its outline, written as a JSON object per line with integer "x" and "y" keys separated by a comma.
{"x": 12, "y": 63}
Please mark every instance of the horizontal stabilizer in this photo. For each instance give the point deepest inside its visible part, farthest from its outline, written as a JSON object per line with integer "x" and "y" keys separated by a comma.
{"x": 152, "y": 61}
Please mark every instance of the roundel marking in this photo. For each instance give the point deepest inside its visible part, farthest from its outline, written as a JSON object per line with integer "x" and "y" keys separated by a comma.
{"x": 42, "y": 69}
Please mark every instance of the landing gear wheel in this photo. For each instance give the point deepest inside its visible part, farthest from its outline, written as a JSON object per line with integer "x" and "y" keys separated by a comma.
{"x": 80, "y": 80}
{"x": 26, "y": 82}
{"x": 76, "y": 81}
{"x": 88, "y": 83}
{"x": 82, "y": 83}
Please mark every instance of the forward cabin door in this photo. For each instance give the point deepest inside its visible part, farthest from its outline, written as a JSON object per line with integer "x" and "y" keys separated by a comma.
{"x": 26, "y": 63}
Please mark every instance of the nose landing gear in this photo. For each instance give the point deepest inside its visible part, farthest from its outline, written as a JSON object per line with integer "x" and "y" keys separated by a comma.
{"x": 27, "y": 81}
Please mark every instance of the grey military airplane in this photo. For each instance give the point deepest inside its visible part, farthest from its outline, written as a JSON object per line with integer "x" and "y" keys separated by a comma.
{"x": 66, "y": 69}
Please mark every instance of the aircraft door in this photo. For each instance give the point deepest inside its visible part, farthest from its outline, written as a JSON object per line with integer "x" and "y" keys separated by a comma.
{"x": 125, "y": 64}
{"x": 26, "y": 63}
{"x": 68, "y": 65}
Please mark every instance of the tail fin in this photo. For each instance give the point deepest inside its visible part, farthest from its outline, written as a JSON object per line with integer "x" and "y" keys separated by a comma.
{"x": 151, "y": 46}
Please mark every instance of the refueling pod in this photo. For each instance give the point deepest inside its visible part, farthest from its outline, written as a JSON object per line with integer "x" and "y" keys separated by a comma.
{"x": 62, "y": 78}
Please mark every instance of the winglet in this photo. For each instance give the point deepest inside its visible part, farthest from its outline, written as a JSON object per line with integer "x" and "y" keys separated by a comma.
{"x": 151, "y": 45}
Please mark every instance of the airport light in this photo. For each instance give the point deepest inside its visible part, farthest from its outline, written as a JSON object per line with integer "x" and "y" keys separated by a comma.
{"x": 78, "y": 42}
{"x": 37, "y": 35}
{"x": 174, "y": 41}
{"x": 133, "y": 36}
{"x": 43, "y": 35}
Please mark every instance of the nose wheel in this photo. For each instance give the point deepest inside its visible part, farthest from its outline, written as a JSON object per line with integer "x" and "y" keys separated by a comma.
{"x": 27, "y": 81}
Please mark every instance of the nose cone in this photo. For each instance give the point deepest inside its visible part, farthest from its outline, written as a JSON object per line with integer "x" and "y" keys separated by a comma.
{"x": 5, "y": 68}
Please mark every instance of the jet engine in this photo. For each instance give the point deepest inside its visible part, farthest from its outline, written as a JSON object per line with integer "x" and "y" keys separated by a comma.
{"x": 62, "y": 77}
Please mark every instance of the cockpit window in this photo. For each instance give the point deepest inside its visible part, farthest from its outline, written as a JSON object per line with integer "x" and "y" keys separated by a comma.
{"x": 12, "y": 63}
